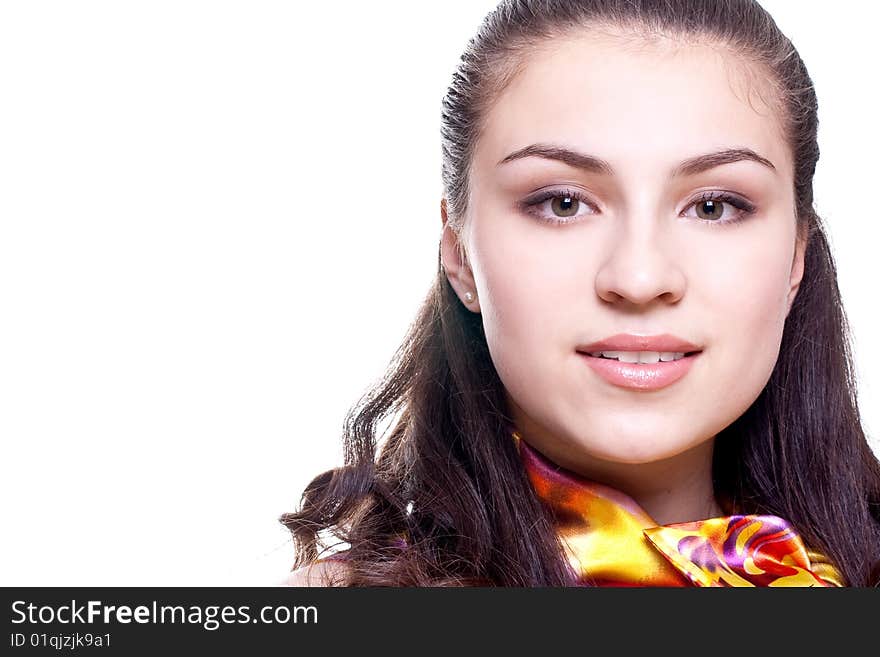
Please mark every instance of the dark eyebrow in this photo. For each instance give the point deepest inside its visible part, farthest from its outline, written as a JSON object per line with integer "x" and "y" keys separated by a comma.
{"x": 592, "y": 164}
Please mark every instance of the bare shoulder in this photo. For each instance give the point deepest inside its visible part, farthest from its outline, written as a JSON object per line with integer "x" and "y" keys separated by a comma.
{"x": 328, "y": 572}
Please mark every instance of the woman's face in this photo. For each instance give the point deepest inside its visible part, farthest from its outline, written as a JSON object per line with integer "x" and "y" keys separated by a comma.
{"x": 640, "y": 252}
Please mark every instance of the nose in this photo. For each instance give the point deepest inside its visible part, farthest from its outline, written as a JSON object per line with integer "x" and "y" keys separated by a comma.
{"x": 641, "y": 265}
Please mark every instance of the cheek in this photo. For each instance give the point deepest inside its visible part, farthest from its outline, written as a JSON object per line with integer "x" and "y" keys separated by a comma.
{"x": 743, "y": 301}
{"x": 526, "y": 304}
{"x": 522, "y": 311}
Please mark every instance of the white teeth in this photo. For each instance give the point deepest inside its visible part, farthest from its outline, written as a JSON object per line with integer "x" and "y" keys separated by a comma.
{"x": 639, "y": 356}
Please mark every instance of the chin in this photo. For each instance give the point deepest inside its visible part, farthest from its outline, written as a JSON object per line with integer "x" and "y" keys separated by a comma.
{"x": 641, "y": 459}
{"x": 636, "y": 452}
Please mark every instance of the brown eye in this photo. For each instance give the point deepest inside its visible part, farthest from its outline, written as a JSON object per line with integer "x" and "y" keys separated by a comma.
{"x": 721, "y": 208}
{"x": 564, "y": 206}
{"x": 710, "y": 210}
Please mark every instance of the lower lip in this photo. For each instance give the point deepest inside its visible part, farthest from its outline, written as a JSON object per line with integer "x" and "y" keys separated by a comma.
{"x": 640, "y": 376}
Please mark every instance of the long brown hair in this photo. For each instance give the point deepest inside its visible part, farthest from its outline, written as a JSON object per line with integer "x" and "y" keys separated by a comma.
{"x": 448, "y": 477}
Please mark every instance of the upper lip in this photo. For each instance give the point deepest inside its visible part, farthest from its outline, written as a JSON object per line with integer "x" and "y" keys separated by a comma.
{"x": 630, "y": 342}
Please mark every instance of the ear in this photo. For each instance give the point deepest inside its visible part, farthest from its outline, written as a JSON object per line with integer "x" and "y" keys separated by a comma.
{"x": 453, "y": 257}
{"x": 797, "y": 269}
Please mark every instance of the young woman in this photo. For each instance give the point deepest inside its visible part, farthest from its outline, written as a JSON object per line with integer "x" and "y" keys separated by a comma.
{"x": 633, "y": 368}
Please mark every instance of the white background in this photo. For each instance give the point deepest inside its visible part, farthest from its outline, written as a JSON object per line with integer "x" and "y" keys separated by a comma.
{"x": 217, "y": 220}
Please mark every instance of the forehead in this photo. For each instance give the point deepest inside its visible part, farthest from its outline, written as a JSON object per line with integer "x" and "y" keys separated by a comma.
{"x": 647, "y": 108}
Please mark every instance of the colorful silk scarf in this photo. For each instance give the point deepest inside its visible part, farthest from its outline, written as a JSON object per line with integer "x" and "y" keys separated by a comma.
{"x": 611, "y": 541}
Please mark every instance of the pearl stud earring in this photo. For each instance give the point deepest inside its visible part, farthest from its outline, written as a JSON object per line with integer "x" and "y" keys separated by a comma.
{"x": 468, "y": 296}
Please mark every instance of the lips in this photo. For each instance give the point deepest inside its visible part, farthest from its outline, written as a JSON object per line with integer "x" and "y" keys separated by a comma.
{"x": 640, "y": 376}
{"x": 631, "y": 342}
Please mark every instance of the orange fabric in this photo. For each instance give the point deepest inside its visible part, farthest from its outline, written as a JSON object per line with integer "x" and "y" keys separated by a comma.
{"x": 611, "y": 541}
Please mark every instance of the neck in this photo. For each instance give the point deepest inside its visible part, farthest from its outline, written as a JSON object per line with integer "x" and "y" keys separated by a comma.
{"x": 670, "y": 490}
{"x": 676, "y": 489}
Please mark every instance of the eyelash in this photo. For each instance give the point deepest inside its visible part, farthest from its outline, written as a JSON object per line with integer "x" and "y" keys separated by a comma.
{"x": 746, "y": 209}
